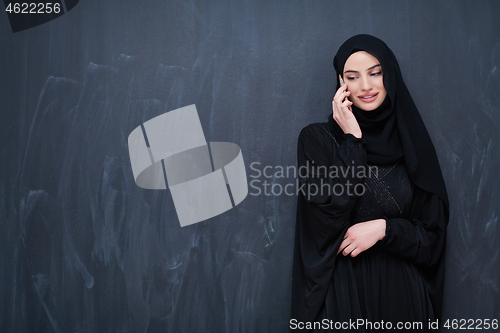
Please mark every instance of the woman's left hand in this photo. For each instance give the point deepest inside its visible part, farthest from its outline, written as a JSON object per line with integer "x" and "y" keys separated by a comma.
{"x": 362, "y": 236}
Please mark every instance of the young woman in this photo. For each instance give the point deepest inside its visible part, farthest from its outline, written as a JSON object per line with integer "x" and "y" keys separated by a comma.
{"x": 373, "y": 207}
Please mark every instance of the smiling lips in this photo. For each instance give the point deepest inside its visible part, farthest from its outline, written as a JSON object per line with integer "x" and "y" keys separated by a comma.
{"x": 368, "y": 98}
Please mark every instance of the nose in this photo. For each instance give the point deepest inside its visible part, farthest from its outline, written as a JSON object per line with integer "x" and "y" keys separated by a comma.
{"x": 366, "y": 84}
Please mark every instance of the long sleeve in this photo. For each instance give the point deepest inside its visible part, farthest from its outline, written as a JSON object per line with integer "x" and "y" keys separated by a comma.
{"x": 328, "y": 176}
{"x": 323, "y": 216}
{"x": 420, "y": 237}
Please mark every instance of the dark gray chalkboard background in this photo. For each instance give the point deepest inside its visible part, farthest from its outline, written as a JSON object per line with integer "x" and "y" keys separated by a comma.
{"x": 83, "y": 249}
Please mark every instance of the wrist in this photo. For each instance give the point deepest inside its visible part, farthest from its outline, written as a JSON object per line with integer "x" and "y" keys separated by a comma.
{"x": 383, "y": 227}
{"x": 356, "y": 133}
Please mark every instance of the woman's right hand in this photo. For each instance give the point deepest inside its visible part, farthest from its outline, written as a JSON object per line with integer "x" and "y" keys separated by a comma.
{"x": 342, "y": 114}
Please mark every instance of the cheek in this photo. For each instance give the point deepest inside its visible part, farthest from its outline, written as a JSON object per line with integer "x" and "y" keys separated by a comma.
{"x": 380, "y": 84}
{"x": 382, "y": 90}
{"x": 353, "y": 88}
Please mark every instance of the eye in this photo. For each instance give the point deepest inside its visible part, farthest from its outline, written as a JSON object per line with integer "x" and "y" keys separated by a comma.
{"x": 351, "y": 77}
{"x": 376, "y": 73}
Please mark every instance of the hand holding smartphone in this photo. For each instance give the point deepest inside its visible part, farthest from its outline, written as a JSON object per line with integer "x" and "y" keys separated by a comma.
{"x": 344, "y": 118}
{"x": 341, "y": 84}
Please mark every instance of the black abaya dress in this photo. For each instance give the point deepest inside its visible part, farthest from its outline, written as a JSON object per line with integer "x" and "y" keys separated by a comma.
{"x": 396, "y": 282}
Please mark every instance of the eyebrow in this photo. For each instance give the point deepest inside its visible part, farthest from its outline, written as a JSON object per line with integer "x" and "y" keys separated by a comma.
{"x": 352, "y": 71}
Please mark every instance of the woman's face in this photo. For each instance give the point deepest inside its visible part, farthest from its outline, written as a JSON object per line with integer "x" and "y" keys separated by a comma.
{"x": 363, "y": 75}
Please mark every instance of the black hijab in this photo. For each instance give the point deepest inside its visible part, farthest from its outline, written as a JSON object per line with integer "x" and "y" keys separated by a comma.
{"x": 395, "y": 129}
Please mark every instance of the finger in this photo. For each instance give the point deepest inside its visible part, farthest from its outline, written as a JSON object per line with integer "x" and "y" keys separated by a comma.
{"x": 346, "y": 104}
{"x": 344, "y": 93}
{"x": 339, "y": 92}
{"x": 342, "y": 96}
{"x": 348, "y": 249}
{"x": 340, "y": 106}
{"x": 343, "y": 246}
{"x": 355, "y": 252}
